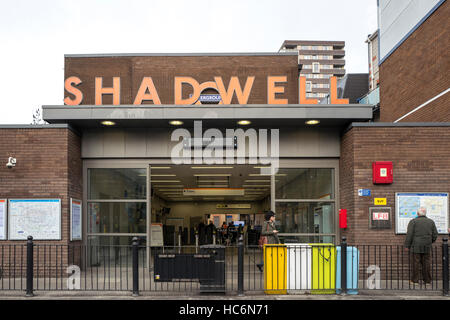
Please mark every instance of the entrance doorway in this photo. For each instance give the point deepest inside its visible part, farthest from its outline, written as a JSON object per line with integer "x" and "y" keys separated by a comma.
{"x": 166, "y": 204}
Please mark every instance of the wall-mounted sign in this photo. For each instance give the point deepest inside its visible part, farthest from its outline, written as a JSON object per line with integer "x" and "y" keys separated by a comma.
{"x": 157, "y": 239}
{"x": 75, "y": 220}
{"x": 148, "y": 91}
{"x": 407, "y": 205}
{"x": 364, "y": 192}
{"x": 3, "y": 219}
{"x": 213, "y": 192}
{"x": 380, "y": 218}
{"x": 380, "y": 201}
{"x": 39, "y": 218}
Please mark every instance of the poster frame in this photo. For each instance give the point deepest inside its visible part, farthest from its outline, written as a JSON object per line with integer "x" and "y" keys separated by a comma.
{"x": 71, "y": 219}
{"x": 59, "y": 216}
{"x": 5, "y": 219}
{"x": 418, "y": 194}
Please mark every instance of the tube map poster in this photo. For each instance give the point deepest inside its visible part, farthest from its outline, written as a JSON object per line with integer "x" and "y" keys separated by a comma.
{"x": 407, "y": 205}
{"x": 39, "y": 218}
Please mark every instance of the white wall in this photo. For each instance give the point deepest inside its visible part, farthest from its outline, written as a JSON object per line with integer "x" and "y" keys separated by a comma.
{"x": 396, "y": 18}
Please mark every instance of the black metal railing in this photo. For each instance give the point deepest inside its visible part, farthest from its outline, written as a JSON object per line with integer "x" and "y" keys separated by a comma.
{"x": 239, "y": 269}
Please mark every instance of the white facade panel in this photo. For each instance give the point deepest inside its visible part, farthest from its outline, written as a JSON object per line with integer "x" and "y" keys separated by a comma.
{"x": 396, "y": 19}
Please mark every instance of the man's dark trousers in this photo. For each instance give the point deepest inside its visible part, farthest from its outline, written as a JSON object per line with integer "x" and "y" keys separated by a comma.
{"x": 421, "y": 261}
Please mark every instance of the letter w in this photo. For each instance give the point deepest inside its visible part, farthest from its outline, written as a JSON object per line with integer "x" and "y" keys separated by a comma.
{"x": 234, "y": 86}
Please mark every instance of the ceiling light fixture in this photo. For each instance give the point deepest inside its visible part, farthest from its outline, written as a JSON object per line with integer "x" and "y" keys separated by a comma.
{"x": 312, "y": 122}
{"x": 212, "y": 167}
{"x": 163, "y": 175}
{"x": 176, "y": 122}
{"x": 108, "y": 123}
{"x": 244, "y": 122}
{"x": 212, "y": 175}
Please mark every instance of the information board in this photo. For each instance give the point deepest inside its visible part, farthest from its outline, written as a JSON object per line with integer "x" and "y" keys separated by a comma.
{"x": 75, "y": 220}
{"x": 407, "y": 205}
{"x": 157, "y": 239}
{"x": 39, "y": 218}
{"x": 2, "y": 219}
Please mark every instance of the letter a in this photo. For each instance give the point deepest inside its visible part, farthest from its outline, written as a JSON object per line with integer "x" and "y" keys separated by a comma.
{"x": 147, "y": 84}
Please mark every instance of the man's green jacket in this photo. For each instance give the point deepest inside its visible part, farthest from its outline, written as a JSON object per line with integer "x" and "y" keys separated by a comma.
{"x": 421, "y": 234}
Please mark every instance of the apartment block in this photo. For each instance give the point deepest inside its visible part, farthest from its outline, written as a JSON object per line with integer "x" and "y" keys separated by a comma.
{"x": 318, "y": 61}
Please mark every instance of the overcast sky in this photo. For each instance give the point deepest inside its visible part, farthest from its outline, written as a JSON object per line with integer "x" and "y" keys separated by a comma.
{"x": 35, "y": 35}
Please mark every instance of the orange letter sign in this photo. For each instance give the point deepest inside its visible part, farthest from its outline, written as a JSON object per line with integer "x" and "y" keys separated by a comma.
{"x": 99, "y": 90}
{"x": 178, "y": 90}
{"x": 147, "y": 84}
{"x": 272, "y": 90}
{"x": 234, "y": 86}
{"x": 333, "y": 93}
{"x": 302, "y": 92}
{"x": 76, "y": 92}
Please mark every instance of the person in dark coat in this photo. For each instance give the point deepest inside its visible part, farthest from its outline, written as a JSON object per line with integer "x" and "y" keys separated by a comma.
{"x": 268, "y": 230}
{"x": 421, "y": 234}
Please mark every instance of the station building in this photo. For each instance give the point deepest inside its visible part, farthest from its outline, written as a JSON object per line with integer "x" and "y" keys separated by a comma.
{"x": 131, "y": 144}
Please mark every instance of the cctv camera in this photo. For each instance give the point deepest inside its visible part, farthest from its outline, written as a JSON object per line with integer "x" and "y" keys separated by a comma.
{"x": 11, "y": 162}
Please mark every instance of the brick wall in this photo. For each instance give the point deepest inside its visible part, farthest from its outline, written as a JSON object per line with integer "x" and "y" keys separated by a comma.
{"x": 418, "y": 71}
{"x": 421, "y": 161}
{"x": 48, "y": 166}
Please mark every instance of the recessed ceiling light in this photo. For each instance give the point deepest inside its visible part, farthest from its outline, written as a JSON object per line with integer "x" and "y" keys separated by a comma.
{"x": 108, "y": 123}
{"x": 213, "y": 186}
{"x": 312, "y": 122}
{"x": 213, "y": 175}
{"x": 163, "y": 175}
{"x": 166, "y": 186}
{"x": 256, "y": 185}
{"x": 176, "y": 122}
{"x": 211, "y": 167}
{"x": 244, "y": 122}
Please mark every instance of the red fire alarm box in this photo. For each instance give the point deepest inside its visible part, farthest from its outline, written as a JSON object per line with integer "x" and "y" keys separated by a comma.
{"x": 342, "y": 218}
{"x": 382, "y": 172}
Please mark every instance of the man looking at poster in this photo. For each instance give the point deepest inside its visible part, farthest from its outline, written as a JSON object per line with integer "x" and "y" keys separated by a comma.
{"x": 421, "y": 234}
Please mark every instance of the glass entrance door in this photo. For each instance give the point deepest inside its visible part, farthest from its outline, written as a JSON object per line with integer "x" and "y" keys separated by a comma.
{"x": 305, "y": 202}
{"x": 116, "y": 212}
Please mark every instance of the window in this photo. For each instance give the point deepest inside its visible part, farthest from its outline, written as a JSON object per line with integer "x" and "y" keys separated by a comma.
{"x": 315, "y": 67}
{"x": 305, "y": 203}
{"x": 117, "y": 200}
{"x": 308, "y": 86}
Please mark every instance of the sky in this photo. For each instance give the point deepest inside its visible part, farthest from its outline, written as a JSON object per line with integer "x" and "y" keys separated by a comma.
{"x": 35, "y": 36}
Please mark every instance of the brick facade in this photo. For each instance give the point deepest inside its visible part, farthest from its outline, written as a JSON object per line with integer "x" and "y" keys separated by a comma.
{"x": 163, "y": 70}
{"x": 421, "y": 158}
{"x": 48, "y": 165}
{"x": 417, "y": 71}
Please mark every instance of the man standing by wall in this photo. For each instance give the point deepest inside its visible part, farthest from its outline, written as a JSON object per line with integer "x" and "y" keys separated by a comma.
{"x": 421, "y": 234}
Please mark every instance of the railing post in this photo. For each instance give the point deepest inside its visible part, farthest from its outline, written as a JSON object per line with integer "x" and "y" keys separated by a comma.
{"x": 30, "y": 267}
{"x": 135, "y": 254}
{"x": 344, "y": 265}
{"x": 241, "y": 264}
{"x": 445, "y": 277}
